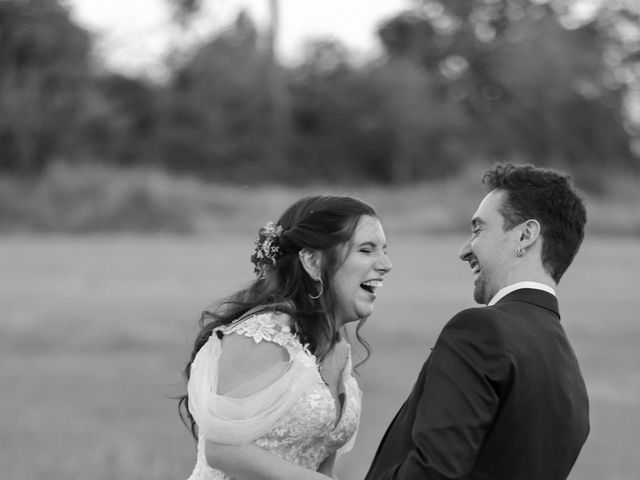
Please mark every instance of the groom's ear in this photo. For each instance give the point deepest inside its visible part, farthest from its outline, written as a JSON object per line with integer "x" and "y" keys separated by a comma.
{"x": 529, "y": 232}
{"x": 311, "y": 261}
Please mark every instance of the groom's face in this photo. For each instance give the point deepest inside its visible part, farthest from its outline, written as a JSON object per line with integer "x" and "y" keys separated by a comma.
{"x": 490, "y": 249}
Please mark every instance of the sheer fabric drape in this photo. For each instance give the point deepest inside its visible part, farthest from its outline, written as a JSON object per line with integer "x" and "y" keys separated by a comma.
{"x": 294, "y": 417}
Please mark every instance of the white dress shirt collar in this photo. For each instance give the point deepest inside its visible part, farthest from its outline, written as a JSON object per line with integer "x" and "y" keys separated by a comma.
{"x": 517, "y": 286}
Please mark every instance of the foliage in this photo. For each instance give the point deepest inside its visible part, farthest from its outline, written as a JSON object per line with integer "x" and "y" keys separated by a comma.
{"x": 215, "y": 111}
{"x": 95, "y": 198}
{"x": 459, "y": 83}
{"x": 337, "y": 129}
{"x": 90, "y": 199}
{"x": 118, "y": 122}
{"x": 530, "y": 87}
{"x": 43, "y": 71}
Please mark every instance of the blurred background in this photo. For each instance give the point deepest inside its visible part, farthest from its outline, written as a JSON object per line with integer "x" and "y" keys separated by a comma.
{"x": 142, "y": 144}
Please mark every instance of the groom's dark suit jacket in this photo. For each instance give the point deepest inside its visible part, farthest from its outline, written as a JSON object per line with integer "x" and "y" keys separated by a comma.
{"x": 500, "y": 397}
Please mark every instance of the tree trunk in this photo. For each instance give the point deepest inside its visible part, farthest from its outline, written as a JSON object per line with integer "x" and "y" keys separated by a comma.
{"x": 278, "y": 96}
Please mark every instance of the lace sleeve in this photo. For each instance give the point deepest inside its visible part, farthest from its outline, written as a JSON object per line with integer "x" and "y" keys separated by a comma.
{"x": 228, "y": 420}
{"x": 271, "y": 327}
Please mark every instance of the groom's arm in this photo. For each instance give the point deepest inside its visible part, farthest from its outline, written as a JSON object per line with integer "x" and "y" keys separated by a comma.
{"x": 458, "y": 403}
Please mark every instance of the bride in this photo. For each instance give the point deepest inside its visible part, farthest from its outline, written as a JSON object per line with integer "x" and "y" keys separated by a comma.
{"x": 270, "y": 390}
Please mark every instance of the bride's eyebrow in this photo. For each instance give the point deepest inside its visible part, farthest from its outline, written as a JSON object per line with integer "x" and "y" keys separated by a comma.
{"x": 370, "y": 243}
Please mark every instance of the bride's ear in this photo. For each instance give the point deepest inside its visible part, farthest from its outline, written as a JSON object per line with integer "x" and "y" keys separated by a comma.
{"x": 311, "y": 261}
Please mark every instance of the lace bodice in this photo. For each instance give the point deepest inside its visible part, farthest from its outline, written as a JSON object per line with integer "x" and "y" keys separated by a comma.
{"x": 296, "y": 418}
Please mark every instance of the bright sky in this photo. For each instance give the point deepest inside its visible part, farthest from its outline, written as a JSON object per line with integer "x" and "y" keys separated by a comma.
{"x": 134, "y": 34}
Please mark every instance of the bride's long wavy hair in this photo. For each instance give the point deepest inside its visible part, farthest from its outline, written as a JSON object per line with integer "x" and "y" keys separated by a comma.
{"x": 323, "y": 223}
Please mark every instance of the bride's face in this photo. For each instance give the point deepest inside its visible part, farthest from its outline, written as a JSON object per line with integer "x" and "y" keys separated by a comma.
{"x": 364, "y": 263}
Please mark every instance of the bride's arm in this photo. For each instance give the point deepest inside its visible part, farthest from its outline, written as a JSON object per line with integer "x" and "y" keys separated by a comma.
{"x": 250, "y": 462}
{"x": 246, "y": 367}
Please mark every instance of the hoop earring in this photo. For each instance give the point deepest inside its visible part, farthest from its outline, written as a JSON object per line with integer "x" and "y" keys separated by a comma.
{"x": 520, "y": 251}
{"x": 319, "y": 294}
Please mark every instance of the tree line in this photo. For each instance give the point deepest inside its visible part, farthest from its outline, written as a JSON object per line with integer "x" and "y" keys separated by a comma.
{"x": 459, "y": 81}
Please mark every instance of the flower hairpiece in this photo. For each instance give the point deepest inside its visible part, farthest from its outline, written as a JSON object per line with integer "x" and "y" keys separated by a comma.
{"x": 267, "y": 248}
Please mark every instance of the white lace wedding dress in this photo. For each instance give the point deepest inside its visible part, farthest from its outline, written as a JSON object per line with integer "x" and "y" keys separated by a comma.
{"x": 295, "y": 417}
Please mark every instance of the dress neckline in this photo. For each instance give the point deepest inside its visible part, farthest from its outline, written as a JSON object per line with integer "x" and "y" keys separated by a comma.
{"x": 341, "y": 400}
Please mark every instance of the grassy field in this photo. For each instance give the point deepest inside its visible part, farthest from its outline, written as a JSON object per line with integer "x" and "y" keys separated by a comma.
{"x": 94, "y": 331}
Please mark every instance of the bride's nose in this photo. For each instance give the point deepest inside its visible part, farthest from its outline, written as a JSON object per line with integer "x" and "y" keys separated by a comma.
{"x": 383, "y": 265}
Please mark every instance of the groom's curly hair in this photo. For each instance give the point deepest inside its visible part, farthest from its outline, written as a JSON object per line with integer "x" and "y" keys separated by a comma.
{"x": 549, "y": 197}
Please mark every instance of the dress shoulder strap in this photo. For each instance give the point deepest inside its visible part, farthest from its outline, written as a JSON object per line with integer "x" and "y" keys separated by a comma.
{"x": 270, "y": 326}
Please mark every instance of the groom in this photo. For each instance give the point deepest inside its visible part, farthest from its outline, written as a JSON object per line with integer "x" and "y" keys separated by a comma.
{"x": 501, "y": 396}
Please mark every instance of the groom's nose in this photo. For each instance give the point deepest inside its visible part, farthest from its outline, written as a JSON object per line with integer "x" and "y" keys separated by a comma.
{"x": 465, "y": 250}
